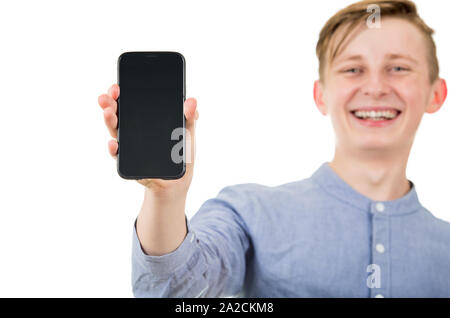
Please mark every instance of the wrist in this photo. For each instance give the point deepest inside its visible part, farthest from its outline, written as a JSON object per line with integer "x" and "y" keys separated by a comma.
{"x": 165, "y": 198}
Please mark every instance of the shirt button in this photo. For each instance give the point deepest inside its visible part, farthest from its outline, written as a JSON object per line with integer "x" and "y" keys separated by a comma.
{"x": 379, "y": 296}
{"x": 379, "y": 206}
{"x": 379, "y": 248}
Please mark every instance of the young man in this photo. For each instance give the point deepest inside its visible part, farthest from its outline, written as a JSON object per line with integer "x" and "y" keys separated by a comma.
{"x": 355, "y": 228}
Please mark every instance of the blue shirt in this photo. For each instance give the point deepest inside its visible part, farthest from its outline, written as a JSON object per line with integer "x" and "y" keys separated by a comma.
{"x": 317, "y": 237}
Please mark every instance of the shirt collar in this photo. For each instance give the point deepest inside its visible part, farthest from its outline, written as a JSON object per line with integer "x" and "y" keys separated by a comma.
{"x": 327, "y": 178}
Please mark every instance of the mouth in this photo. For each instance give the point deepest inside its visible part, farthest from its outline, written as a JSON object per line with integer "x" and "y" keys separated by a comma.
{"x": 376, "y": 116}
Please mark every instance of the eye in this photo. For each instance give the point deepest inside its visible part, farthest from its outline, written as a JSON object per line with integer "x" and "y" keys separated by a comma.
{"x": 352, "y": 70}
{"x": 399, "y": 68}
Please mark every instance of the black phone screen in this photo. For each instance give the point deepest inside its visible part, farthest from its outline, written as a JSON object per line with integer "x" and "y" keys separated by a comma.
{"x": 150, "y": 115}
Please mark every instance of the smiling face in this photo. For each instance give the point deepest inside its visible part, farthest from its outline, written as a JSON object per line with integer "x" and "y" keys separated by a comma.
{"x": 382, "y": 75}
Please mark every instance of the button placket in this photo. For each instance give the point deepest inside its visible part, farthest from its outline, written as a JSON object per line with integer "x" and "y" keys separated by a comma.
{"x": 380, "y": 247}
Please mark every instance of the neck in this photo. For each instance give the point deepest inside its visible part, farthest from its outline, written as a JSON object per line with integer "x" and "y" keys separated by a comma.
{"x": 376, "y": 176}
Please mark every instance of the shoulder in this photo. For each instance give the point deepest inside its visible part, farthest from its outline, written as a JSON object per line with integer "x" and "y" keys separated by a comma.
{"x": 437, "y": 227}
{"x": 262, "y": 194}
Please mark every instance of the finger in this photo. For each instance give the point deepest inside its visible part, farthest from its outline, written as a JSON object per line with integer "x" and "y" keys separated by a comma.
{"x": 190, "y": 108}
{"x": 114, "y": 91}
{"x": 106, "y": 101}
{"x": 191, "y": 114}
{"x": 110, "y": 121}
{"x": 113, "y": 146}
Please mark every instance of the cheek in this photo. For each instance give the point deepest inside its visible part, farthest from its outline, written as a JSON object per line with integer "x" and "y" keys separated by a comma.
{"x": 342, "y": 91}
{"x": 338, "y": 97}
{"x": 414, "y": 97}
{"x": 343, "y": 96}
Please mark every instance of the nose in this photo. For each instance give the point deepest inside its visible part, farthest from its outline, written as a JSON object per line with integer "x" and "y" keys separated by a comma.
{"x": 375, "y": 86}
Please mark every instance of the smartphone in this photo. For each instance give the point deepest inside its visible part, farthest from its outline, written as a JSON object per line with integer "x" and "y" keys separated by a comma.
{"x": 151, "y": 121}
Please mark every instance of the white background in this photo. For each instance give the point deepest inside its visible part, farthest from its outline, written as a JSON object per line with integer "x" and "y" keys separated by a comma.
{"x": 66, "y": 216}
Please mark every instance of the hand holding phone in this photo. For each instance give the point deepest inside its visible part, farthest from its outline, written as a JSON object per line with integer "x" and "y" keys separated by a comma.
{"x": 160, "y": 225}
{"x": 108, "y": 102}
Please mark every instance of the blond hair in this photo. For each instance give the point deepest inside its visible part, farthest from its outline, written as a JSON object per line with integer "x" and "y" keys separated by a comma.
{"x": 356, "y": 13}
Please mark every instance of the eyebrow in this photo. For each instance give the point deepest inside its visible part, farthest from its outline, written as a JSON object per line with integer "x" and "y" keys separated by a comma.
{"x": 401, "y": 56}
{"x": 392, "y": 56}
{"x": 350, "y": 58}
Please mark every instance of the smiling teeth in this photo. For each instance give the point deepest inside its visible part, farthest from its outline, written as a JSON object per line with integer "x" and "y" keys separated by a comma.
{"x": 376, "y": 115}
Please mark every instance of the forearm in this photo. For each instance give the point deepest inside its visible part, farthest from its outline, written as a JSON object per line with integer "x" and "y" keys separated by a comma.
{"x": 161, "y": 224}
{"x": 210, "y": 261}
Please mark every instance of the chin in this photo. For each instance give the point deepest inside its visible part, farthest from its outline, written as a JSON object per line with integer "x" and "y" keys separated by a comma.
{"x": 374, "y": 144}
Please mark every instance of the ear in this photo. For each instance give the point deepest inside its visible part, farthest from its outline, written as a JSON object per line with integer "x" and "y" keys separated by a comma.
{"x": 439, "y": 94}
{"x": 319, "y": 98}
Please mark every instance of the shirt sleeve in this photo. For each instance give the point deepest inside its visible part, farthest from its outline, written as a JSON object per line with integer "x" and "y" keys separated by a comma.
{"x": 211, "y": 260}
